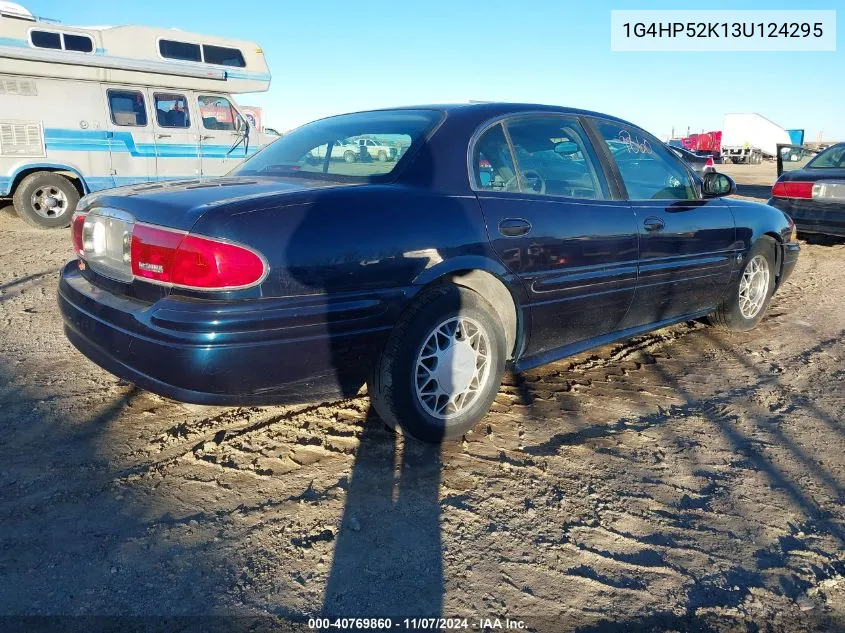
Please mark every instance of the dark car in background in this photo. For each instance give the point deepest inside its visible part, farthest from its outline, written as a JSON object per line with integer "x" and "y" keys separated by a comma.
{"x": 701, "y": 164}
{"x": 505, "y": 236}
{"x": 814, "y": 195}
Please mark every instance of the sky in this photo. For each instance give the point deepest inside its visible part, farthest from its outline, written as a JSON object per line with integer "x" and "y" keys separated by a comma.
{"x": 340, "y": 56}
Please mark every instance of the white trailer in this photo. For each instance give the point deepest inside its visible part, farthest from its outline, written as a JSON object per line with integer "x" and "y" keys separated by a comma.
{"x": 89, "y": 108}
{"x": 750, "y": 137}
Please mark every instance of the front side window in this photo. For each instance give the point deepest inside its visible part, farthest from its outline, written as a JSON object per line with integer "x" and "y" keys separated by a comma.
{"x": 127, "y": 108}
{"x": 184, "y": 51}
{"x": 648, "y": 169}
{"x": 554, "y": 158}
{"x": 217, "y": 113}
{"x": 326, "y": 148}
{"x": 222, "y": 56}
{"x": 172, "y": 110}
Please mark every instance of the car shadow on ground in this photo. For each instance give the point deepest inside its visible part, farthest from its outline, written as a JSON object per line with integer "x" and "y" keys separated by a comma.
{"x": 760, "y": 193}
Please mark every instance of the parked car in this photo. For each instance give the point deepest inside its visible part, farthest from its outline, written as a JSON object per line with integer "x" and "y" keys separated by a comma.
{"x": 423, "y": 278}
{"x": 376, "y": 149}
{"x": 814, "y": 196}
{"x": 341, "y": 149}
{"x": 700, "y": 164}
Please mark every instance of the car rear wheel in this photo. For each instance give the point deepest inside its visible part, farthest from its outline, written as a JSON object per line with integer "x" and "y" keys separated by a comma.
{"x": 441, "y": 367}
{"x": 349, "y": 156}
{"x": 46, "y": 200}
{"x": 382, "y": 156}
{"x": 746, "y": 302}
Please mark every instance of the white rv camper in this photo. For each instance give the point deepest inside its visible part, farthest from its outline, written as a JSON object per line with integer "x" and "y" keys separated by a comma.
{"x": 88, "y": 108}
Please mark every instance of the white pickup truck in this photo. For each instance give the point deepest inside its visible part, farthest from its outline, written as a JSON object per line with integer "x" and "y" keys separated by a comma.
{"x": 376, "y": 150}
{"x": 341, "y": 149}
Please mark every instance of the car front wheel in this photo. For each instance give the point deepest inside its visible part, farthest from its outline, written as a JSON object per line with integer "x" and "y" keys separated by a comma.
{"x": 745, "y": 303}
{"x": 442, "y": 365}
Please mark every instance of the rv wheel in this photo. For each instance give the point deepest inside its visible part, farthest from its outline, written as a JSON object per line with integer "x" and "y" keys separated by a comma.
{"x": 46, "y": 200}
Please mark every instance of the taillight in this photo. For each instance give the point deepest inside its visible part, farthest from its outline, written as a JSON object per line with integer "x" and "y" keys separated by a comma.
{"x": 709, "y": 162}
{"x": 792, "y": 189}
{"x": 175, "y": 258}
{"x": 76, "y": 225}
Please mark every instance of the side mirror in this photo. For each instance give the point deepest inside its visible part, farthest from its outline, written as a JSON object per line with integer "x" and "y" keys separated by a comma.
{"x": 717, "y": 185}
{"x": 240, "y": 124}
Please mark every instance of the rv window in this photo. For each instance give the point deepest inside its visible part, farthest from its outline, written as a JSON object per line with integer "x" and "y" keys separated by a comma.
{"x": 217, "y": 113}
{"x": 46, "y": 39}
{"x": 127, "y": 107}
{"x": 180, "y": 50}
{"x": 79, "y": 43}
{"x": 172, "y": 110}
{"x": 222, "y": 56}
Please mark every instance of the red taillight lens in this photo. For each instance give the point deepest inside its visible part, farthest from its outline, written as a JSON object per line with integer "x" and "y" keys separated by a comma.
{"x": 204, "y": 263}
{"x": 787, "y": 189}
{"x": 709, "y": 162}
{"x": 76, "y": 225}
{"x": 191, "y": 261}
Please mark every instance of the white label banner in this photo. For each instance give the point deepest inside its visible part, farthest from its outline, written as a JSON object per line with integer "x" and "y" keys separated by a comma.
{"x": 722, "y": 30}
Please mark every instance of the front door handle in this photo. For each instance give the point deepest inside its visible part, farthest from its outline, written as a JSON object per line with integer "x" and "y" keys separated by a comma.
{"x": 205, "y": 137}
{"x": 163, "y": 136}
{"x": 653, "y": 224}
{"x": 514, "y": 227}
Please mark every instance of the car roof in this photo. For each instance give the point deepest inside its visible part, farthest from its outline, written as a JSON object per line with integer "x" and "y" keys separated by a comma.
{"x": 492, "y": 109}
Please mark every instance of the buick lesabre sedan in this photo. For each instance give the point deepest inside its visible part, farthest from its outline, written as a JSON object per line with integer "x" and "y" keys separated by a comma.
{"x": 505, "y": 236}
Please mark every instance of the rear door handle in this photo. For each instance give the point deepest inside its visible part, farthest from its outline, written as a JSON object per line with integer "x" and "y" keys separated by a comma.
{"x": 205, "y": 137}
{"x": 514, "y": 227}
{"x": 163, "y": 136}
{"x": 653, "y": 224}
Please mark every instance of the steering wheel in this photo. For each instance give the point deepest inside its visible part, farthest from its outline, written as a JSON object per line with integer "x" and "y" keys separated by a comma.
{"x": 539, "y": 185}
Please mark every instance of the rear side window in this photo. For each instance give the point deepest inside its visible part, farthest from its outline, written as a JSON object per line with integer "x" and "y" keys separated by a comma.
{"x": 78, "y": 43}
{"x": 61, "y": 41}
{"x": 492, "y": 162}
{"x": 831, "y": 158}
{"x": 46, "y": 39}
{"x": 184, "y": 51}
{"x": 222, "y": 56}
{"x": 648, "y": 169}
{"x": 554, "y": 158}
{"x": 127, "y": 108}
{"x": 172, "y": 110}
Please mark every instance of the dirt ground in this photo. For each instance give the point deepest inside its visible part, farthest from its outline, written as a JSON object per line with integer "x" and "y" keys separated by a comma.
{"x": 690, "y": 479}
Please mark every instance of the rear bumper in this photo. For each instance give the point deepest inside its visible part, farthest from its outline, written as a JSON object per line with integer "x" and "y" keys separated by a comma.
{"x": 813, "y": 217}
{"x": 251, "y": 352}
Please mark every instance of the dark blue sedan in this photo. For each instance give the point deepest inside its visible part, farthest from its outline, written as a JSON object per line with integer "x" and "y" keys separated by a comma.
{"x": 505, "y": 236}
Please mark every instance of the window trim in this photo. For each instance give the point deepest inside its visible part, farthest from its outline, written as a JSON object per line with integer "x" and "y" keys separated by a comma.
{"x": 503, "y": 119}
{"x": 607, "y": 156}
{"x": 187, "y": 111}
{"x": 111, "y": 111}
{"x": 61, "y": 35}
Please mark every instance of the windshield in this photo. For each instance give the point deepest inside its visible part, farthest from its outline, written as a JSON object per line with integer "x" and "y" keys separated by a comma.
{"x": 365, "y": 147}
{"x": 831, "y": 158}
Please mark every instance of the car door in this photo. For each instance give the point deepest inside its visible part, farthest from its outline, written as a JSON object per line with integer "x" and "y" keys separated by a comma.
{"x": 687, "y": 243}
{"x": 130, "y": 135}
{"x": 176, "y": 135}
{"x": 221, "y": 145}
{"x": 552, "y": 221}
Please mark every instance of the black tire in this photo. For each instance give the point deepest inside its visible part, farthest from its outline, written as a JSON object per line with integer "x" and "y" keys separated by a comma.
{"x": 43, "y": 217}
{"x": 729, "y": 314}
{"x": 349, "y": 156}
{"x": 392, "y": 386}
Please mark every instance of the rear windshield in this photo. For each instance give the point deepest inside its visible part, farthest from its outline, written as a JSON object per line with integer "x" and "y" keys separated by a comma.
{"x": 831, "y": 158}
{"x": 365, "y": 147}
